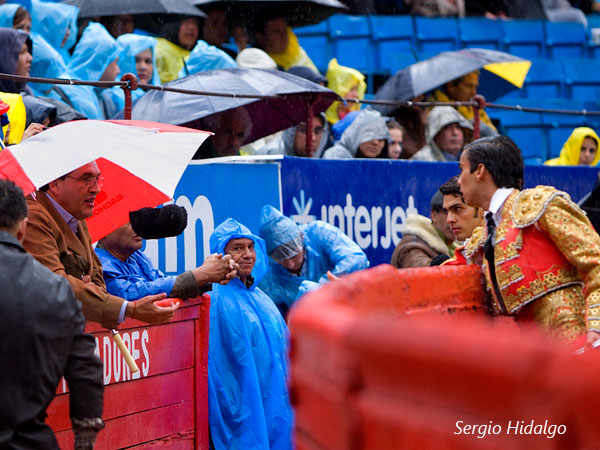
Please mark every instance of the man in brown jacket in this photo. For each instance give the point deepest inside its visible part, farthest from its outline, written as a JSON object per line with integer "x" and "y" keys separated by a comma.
{"x": 423, "y": 238}
{"x": 58, "y": 237}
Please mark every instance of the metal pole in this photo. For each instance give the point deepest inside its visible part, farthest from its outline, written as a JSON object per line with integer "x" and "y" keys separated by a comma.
{"x": 132, "y": 85}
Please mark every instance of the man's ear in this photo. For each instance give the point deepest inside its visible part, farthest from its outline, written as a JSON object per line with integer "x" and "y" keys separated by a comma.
{"x": 21, "y": 228}
{"x": 480, "y": 171}
{"x": 53, "y": 185}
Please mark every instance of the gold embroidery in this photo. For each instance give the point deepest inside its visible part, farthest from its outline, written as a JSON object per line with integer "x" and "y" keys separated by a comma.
{"x": 507, "y": 277}
{"x": 510, "y": 251}
{"x": 531, "y": 204}
{"x": 475, "y": 242}
{"x": 541, "y": 286}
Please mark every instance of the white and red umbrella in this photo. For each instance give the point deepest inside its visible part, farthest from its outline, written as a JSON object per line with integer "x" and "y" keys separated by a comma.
{"x": 141, "y": 163}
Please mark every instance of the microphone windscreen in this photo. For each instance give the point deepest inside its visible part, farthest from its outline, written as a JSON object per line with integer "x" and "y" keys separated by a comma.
{"x": 158, "y": 223}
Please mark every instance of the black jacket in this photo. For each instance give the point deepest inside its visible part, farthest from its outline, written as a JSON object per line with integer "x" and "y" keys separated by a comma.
{"x": 42, "y": 340}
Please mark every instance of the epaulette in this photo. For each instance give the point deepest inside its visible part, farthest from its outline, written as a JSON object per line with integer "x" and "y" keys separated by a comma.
{"x": 475, "y": 242}
{"x": 531, "y": 204}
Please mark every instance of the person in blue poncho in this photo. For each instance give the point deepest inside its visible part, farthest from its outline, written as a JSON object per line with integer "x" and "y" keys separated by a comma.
{"x": 301, "y": 256}
{"x": 94, "y": 59}
{"x": 57, "y": 24}
{"x": 248, "y": 401}
{"x": 139, "y": 58}
{"x": 15, "y": 16}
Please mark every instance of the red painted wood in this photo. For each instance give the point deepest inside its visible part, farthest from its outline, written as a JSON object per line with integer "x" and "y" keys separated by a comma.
{"x": 165, "y": 406}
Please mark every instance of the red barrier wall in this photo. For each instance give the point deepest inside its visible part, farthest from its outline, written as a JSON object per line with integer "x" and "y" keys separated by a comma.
{"x": 388, "y": 359}
{"x": 164, "y": 405}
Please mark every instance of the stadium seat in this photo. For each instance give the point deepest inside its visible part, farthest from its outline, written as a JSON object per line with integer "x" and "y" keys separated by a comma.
{"x": 582, "y": 78}
{"x": 545, "y": 78}
{"x": 480, "y": 32}
{"x": 556, "y": 138}
{"x": 351, "y": 41}
{"x": 397, "y": 61}
{"x": 392, "y": 35}
{"x": 436, "y": 34}
{"x": 314, "y": 39}
{"x": 524, "y": 38}
{"x": 565, "y": 39}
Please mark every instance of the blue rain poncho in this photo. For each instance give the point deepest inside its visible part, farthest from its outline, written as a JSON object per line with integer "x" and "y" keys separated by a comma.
{"x": 134, "y": 278}
{"x": 94, "y": 52}
{"x": 46, "y": 63}
{"x": 131, "y": 45}
{"x": 24, "y": 3}
{"x": 205, "y": 57}
{"x": 248, "y": 401}
{"x": 326, "y": 248}
{"x": 52, "y": 21}
{"x": 7, "y": 14}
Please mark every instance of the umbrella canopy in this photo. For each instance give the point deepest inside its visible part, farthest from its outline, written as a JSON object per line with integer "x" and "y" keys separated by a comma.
{"x": 500, "y": 73}
{"x": 101, "y": 8}
{"x": 268, "y": 115}
{"x": 297, "y": 13}
{"x": 128, "y": 154}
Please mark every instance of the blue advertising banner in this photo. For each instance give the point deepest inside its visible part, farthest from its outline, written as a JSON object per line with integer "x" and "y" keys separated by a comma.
{"x": 211, "y": 193}
{"x": 370, "y": 199}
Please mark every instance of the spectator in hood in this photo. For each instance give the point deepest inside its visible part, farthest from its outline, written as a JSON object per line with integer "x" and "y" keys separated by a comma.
{"x": 348, "y": 83}
{"x": 366, "y": 137}
{"x": 15, "y": 58}
{"x": 248, "y": 401}
{"x": 95, "y": 58}
{"x": 15, "y": 16}
{"x": 301, "y": 256}
{"x": 205, "y": 57}
{"x": 293, "y": 140}
{"x": 447, "y": 133}
{"x": 57, "y": 24}
{"x": 580, "y": 149}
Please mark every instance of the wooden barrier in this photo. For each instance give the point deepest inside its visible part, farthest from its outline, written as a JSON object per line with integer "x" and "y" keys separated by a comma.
{"x": 164, "y": 405}
{"x": 387, "y": 359}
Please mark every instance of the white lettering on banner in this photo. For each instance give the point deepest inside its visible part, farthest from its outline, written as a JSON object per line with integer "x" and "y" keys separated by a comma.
{"x": 362, "y": 225}
{"x": 115, "y": 367}
{"x": 201, "y": 210}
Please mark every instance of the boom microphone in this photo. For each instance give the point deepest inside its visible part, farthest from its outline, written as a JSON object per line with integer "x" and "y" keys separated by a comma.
{"x": 158, "y": 223}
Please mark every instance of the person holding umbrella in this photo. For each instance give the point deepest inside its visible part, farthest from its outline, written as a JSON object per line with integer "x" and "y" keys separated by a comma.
{"x": 463, "y": 89}
{"x": 58, "y": 237}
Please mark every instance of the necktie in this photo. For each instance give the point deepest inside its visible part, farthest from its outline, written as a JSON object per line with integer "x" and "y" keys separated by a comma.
{"x": 488, "y": 250}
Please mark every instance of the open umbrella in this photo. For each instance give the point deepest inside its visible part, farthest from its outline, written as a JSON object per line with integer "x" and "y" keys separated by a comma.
{"x": 101, "y": 8}
{"x": 268, "y": 115}
{"x": 296, "y": 12}
{"x": 500, "y": 73}
{"x": 141, "y": 163}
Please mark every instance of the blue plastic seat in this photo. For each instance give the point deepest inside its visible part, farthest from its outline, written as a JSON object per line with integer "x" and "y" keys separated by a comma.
{"x": 582, "y": 78}
{"x": 523, "y": 38}
{"x": 565, "y": 39}
{"x": 391, "y": 35}
{"x": 314, "y": 39}
{"x": 545, "y": 78}
{"x": 436, "y": 34}
{"x": 480, "y": 32}
{"x": 398, "y": 60}
{"x": 556, "y": 139}
{"x": 351, "y": 41}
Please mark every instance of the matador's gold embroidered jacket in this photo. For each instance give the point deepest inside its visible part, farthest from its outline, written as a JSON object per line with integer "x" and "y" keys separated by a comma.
{"x": 544, "y": 243}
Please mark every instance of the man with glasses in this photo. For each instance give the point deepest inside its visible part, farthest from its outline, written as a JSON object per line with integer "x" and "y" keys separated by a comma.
{"x": 57, "y": 236}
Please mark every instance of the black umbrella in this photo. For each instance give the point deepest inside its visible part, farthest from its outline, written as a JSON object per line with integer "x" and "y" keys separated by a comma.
{"x": 296, "y": 12}
{"x": 101, "y": 8}
{"x": 500, "y": 73}
{"x": 268, "y": 115}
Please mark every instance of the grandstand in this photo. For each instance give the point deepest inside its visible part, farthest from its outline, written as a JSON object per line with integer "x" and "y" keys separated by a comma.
{"x": 563, "y": 75}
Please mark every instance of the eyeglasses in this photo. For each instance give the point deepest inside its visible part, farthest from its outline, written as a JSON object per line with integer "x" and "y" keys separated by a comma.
{"x": 90, "y": 181}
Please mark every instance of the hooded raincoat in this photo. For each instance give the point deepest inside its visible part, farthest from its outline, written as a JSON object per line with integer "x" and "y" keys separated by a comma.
{"x": 326, "y": 248}
{"x": 16, "y": 117}
{"x": 113, "y": 99}
{"x": 367, "y": 126}
{"x": 569, "y": 155}
{"x": 284, "y": 145}
{"x": 94, "y": 52}
{"x": 169, "y": 59}
{"x": 11, "y": 42}
{"x": 47, "y": 63}
{"x": 53, "y": 21}
{"x": 205, "y": 57}
{"x": 438, "y": 118}
{"x": 294, "y": 54}
{"x": 342, "y": 79}
{"x": 7, "y": 14}
{"x": 467, "y": 112}
{"x": 248, "y": 402}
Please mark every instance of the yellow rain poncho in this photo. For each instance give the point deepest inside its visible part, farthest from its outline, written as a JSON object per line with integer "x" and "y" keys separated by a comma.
{"x": 342, "y": 79}
{"x": 569, "y": 155}
{"x": 466, "y": 111}
{"x": 169, "y": 59}
{"x": 294, "y": 55}
{"x": 17, "y": 117}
